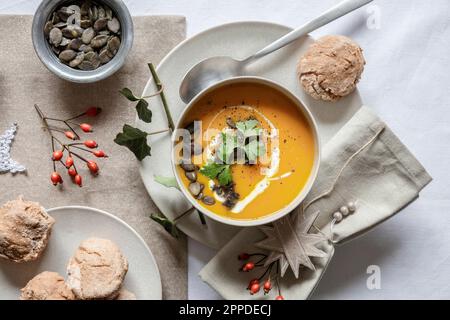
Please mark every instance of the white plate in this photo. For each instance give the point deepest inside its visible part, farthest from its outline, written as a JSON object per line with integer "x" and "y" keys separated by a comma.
{"x": 238, "y": 40}
{"x": 73, "y": 225}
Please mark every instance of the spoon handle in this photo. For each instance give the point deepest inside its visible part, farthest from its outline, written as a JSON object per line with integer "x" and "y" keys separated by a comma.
{"x": 335, "y": 12}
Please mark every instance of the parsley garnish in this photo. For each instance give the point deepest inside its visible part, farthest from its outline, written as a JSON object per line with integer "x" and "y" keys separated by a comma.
{"x": 216, "y": 170}
{"x": 246, "y": 138}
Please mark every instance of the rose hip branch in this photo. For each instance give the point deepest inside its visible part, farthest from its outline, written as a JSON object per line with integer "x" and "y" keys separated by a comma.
{"x": 72, "y": 150}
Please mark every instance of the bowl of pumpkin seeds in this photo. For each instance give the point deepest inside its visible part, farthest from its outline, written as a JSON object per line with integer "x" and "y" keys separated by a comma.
{"x": 82, "y": 40}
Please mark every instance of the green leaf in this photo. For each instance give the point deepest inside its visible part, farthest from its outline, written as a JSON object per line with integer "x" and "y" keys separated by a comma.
{"x": 225, "y": 177}
{"x": 144, "y": 113}
{"x": 254, "y": 149}
{"x": 249, "y": 128}
{"x": 127, "y": 93}
{"x": 226, "y": 149}
{"x": 167, "y": 224}
{"x": 169, "y": 182}
{"x": 241, "y": 126}
{"x": 220, "y": 171}
{"x": 212, "y": 170}
{"x": 135, "y": 140}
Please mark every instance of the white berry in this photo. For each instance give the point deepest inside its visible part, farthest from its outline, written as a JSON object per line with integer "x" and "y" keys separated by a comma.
{"x": 351, "y": 206}
{"x": 344, "y": 210}
{"x": 337, "y": 216}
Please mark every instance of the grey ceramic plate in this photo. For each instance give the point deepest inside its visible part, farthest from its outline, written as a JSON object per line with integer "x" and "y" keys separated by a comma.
{"x": 238, "y": 40}
{"x": 74, "y": 224}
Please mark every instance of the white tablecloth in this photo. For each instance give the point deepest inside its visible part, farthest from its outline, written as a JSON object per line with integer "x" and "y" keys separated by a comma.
{"x": 407, "y": 82}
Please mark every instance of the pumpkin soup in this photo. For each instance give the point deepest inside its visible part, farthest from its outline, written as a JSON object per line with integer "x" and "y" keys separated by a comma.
{"x": 250, "y": 151}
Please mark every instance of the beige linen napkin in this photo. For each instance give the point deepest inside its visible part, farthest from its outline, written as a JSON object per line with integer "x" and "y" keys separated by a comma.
{"x": 118, "y": 189}
{"x": 371, "y": 167}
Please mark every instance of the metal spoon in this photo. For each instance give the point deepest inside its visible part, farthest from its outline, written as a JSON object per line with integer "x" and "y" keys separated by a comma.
{"x": 215, "y": 69}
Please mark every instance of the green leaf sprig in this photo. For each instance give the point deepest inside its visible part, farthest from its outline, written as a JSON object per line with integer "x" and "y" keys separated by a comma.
{"x": 169, "y": 182}
{"x": 133, "y": 138}
{"x": 136, "y": 140}
{"x": 250, "y": 132}
{"x": 245, "y": 138}
{"x": 171, "y": 225}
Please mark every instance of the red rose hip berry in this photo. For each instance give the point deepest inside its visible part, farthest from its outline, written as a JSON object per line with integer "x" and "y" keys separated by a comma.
{"x": 86, "y": 127}
{"x": 69, "y": 162}
{"x": 72, "y": 172}
{"x": 248, "y": 266}
{"x": 267, "y": 286}
{"x": 93, "y": 167}
{"x": 254, "y": 288}
{"x": 70, "y": 135}
{"x": 78, "y": 180}
{"x": 252, "y": 282}
{"x": 57, "y": 155}
{"x": 56, "y": 178}
{"x": 93, "y": 111}
{"x": 100, "y": 154}
{"x": 91, "y": 144}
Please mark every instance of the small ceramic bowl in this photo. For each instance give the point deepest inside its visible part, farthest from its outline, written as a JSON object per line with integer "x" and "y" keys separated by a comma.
{"x": 51, "y": 61}
{"x": 280, "y": 212}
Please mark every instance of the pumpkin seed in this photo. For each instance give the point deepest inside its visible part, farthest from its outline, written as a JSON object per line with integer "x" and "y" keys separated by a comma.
{"x": 188, "y": 166}
{"x": 72, "y": 32}
{"x": 93, "y": 13}
{"x": 64, "y": 13}
{"x": 86, "y": 66}
{"x": 67, "y": 55}
{"x": 101, "y": 12}
{"x": 55, "y": 37}
{"x": 208, "y": 200}
{"x": 74, "y": 8}
{"x": 100, "y": 24}
{"x": 77, "y": 60}
{"x": 85, "y": 23}
{"x": 55, "y": 18}
{"x": 85, "y": 48}
{"x": 113, "y": 45}
{"x": 110, "y": 54}
{"x": 93, "y": 58}
{"x": 60, "y": 25}
{"x": 195, "y": 188}
{"x": 114, "y": 25}
{"x": 75, "y": 44}
{"x": 88, "y": 35}
{"x": 64, "y": 42}
{"x": 48, "y": 27}
{"x": 99, "y": 41}
{"x": 104, "y": 57}
{"x": 109, "y": 13}
{"x": 191, "y": 175}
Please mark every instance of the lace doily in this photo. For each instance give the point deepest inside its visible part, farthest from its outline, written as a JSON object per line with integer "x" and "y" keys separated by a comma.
{"x": 6, "y": 163}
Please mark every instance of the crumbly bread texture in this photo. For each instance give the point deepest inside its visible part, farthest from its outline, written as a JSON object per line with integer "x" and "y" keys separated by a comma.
{"x": 331, "y": 67}
{"x": 25, "y": 228}
{"x": 47, "y": 286}
{"x": 125, "y": 295}
{"x": 97, "y": 270}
